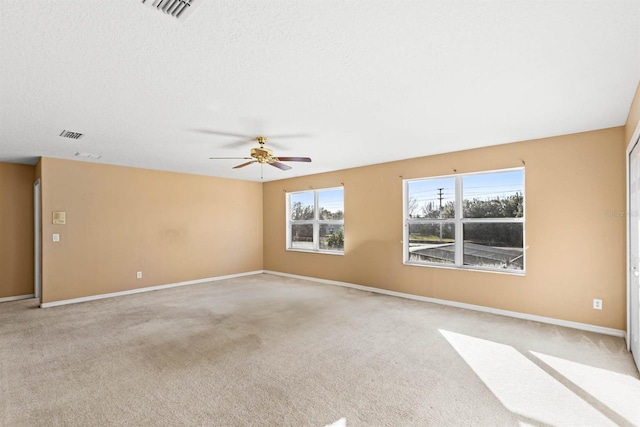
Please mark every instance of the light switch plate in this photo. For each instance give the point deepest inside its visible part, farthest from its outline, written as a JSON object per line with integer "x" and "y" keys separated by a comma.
{"x": 56, "y": 237}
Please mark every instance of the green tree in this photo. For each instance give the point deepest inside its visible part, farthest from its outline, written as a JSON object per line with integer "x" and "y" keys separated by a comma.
{"x": 299, "y": 212}
{"x": 448, "y": 210}
{"x": 336, "y": 240}
{"x": 431, "y": 210}
{"x": 327, "y": 214}
{"x": 497, "y": 234}
{"x": 498, "y": 207}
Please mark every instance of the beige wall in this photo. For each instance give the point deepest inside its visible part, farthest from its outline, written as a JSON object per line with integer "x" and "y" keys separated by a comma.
{"x": 16, "y": 229}
{"x": 575, "y": 248}
{"x": 633, "y": 118}
{"x": 173, "y": 227}
{"x": 177, "y": 227}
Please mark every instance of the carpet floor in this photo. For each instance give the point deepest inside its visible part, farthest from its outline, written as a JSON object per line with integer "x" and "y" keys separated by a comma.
{"x": 265, "y": 350}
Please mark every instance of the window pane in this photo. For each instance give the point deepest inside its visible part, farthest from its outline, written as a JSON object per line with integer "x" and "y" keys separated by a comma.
{"x": 331, "y": 204}
{"x": 432, "y": 242}
{"x": 302, "y": 206}
{"x": 493, "y": 195}
{"x": 332, "y": 237}
{"x": 302, "y": 236}
{"x": 432, "y": 198}
{"x": 494, "y": 245}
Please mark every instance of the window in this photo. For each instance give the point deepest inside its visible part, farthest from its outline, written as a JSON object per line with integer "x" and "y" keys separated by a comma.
{"x": 315, "y": 220}
{"x": 466, "y": 221}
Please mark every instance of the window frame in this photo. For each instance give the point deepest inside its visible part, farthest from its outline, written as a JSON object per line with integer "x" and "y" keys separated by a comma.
{"x": 459, "y": 221}
{"x": 316, "y": 222}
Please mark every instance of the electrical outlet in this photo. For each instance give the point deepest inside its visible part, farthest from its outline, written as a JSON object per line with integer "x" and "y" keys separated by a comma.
{"x": 139, "y": 275}
{"x": 597, "y": 304}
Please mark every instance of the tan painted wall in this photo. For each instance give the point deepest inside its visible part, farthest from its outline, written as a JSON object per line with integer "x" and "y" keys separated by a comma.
{"x": 16, "y": 229}
{"x": 173, "y": 227}
{"x": 634, "y": 117}
{"x": 576, "y": 250}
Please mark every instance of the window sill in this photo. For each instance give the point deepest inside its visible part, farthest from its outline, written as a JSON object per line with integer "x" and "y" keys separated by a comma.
{"x": 311, "y": 251}
{"x": 469, "y": 268}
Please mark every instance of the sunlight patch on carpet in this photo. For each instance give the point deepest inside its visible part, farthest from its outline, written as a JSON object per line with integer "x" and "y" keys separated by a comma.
{"x": 342, "y": 422}
{"x": 521, "y": 386}
{"x": 619, "y": 392}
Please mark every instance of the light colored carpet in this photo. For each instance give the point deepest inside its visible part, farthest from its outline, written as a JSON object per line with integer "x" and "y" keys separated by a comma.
{"x": 270, "y": 351}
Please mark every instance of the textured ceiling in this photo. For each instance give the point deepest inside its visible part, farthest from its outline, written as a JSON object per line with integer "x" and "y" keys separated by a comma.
{"x": 365, "y": 81}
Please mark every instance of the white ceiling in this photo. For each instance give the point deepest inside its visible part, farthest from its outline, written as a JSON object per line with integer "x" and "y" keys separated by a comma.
{"x": 368, "y": 81}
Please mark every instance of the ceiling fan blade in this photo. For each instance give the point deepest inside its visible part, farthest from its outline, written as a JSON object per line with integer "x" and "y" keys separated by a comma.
{"x": 294, "y": 159}
{"x": 220, "y": 133}
{"x": 280, "y": 165}
{"x": 244, "y": 164}
{"x": 290, "y": 135}
{"x": 230, "y": 158}
{"x": 234, "y": 144}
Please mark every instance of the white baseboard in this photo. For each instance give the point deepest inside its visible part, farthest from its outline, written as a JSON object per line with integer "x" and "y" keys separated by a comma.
{"x": 524, "y": 316}
{"x": 17, "y": 297}
{"x": 147, "y": 289}
{"x": 515, "y": 314}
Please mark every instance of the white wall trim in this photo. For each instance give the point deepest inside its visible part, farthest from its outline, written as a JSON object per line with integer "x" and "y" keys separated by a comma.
{"x": 146, "y": 289}
{"x": 37, "y": 237}
{"x": 524, "y": 316}
{"x": 514, "y": 314}
{"x": 17, "y": 297}
{"x": 630, "y": 145}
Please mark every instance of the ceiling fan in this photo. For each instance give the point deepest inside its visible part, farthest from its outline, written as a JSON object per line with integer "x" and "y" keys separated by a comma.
{"x": 264, "y": 156}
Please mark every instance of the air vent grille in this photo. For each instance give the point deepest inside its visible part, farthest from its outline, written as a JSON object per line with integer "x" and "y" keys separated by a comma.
{"x": 89, "y": 155}
{"x": 179, "y": 9}
{"x": 72, "y": 135}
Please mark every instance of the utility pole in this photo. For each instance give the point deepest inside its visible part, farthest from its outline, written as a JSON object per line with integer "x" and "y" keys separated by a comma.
{"x": 440, "y": 197}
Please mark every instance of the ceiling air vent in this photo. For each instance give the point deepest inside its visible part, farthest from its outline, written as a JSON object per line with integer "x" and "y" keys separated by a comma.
{"x": 179, "y": 9}
{"x": 72, "y": 135}
{"x": 89, "y": 155}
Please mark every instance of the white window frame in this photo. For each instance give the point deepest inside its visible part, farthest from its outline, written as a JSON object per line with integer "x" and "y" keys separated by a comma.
{"x": 316, "y": 222}
{"x": 459, "y": 222}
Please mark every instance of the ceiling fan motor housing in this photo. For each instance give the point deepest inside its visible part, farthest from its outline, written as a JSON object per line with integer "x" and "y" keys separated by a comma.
{"x": 262, "y": 155}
